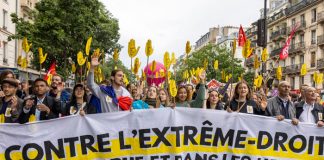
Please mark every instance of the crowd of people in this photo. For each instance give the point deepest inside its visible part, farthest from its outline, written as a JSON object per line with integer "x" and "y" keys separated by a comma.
{"x": 29, "y": 101}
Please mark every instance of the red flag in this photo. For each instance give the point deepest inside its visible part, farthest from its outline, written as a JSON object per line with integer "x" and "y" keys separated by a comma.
{"x": 51, "y": 71}
{"x": 285, "y": 50}
{"x": 242, "y": 37}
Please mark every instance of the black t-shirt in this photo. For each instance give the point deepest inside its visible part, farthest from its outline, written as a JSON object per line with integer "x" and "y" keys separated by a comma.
{"x": 248, "y": 106}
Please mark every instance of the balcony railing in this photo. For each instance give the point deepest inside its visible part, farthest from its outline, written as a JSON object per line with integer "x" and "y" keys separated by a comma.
{"x": 320, "y": 63}
{"x": 295, "y": 68}
{"x": 320, "y": 40}
{"x": 276, "y": 16}
{"x": 320, "y": 17}
{"x": 275, "y": 52}
{"x": 26, "y": 4}
{"x": 297, "y": 47}
{"x": 302, "y": 4}
{"x": 278, "y": 34}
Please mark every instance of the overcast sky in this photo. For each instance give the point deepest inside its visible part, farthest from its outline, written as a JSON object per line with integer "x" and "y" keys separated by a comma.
{"x": 170, "y": 23}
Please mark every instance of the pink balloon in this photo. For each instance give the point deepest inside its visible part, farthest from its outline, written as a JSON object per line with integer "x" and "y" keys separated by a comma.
{"x": 151, "y": 75}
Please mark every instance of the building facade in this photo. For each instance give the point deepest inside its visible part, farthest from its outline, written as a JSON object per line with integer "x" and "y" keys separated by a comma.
{"x": 8, "y": 49}
{"x": 306, "y": 45}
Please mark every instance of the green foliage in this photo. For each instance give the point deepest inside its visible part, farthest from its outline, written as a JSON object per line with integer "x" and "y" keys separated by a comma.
{"x": 62, "y": 27}
{"x": 212, "y": 53}
{"x": 249, "y": 77}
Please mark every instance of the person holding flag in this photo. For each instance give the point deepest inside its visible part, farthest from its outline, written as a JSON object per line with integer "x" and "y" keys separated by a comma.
{"x": 114, "y": 97}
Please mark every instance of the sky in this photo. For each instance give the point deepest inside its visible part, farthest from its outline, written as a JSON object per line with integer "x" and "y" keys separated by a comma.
{"x": 170, "y": 23}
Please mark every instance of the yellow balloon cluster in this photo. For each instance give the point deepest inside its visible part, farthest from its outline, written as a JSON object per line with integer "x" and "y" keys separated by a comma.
{"x": 132, "y": 50}
{"x": 87, "y": 49}
{"x": 173, "y": 88}
{"x": 81, "y": 60}
{"x": 42, "y": 57}
{"x": 148, "y": 48}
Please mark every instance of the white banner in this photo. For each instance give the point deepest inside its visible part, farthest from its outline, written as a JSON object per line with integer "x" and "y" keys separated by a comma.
{"x": 162, "y": 134}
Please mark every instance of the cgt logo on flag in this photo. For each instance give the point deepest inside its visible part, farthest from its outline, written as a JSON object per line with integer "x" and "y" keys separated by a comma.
{"x": 285, "y": 51}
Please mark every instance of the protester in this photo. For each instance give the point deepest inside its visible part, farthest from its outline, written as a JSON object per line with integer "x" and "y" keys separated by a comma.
{"x": 242, "y": 102}
{"x": 10, "y": 104}
{"x": 309, "y": 111}
{"x": 213, "y": 101}
{"x": 182, "y": 99}
{"x": 151, "y": 97}
{"x": 41, "y": 107}
{"x": 112, "y": 98}
{"x": 5, "y": 74}
{"x": 58, "y": 91}
{"x": 280, "y": 106}
{"x": 78, "y": 103}
{"x": 163, "y": 98}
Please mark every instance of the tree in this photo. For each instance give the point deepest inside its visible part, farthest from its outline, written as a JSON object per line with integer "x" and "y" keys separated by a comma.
{"x": 212, "y": 53}
{"x": 62, "y": 28}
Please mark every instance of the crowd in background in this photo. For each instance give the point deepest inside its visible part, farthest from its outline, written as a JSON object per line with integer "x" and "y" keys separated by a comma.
{"x": 35, "y": 100}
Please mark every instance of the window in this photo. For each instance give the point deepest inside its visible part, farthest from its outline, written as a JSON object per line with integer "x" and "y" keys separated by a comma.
{"x": 313, "y": 15}
{"x": 312, "y": 80}
{"x": 301, "y": 81}
{"x": 313, "y": 59}
{"x": 293, "y": 21}
{"x": 302, "y": 18}
{"x": 4, "y": 18}
{"x": 301, "y": 59}
{"x": 301, "y": 38}
{"x": 313, "y": 38}
{"x": 292, "y": 82}
{"x": 292, "y": 62}
{"x": 5, "y": 50}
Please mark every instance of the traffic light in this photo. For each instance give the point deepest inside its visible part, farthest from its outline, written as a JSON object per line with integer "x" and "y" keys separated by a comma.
{"x": 262, "y": 42}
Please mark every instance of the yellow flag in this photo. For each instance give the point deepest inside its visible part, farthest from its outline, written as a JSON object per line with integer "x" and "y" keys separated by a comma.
{"x": 172, "y": 88}
{"x": 264, "y": 55}
{"x": 320, "y": 78}
{"x": 153, "y": 66}
{"x": 256, "y": 62}
{"x": 188, "y": 47}
{"x": 41, "y": 56}
{"x": 205, "y": 64}
{"x": 137, "y": 65}
{"x": 216, "y": 65}
{"x": 223, "y": 75}
{"x": 247, "y": 50}
{"x": 80, "y": 58}
{"x": 73, "y": 68}
{"x": 132, "y": 50}
{"x": 87, "y": 49}
{"x": 303, "y": 70}
{"x": 148, "y": 48}
{"x": 2, "y": 118}
{"x": 116, "y": 55}
{"x": 234, "y": 47}
{"x": 173, "y": 59}
{"x": 279, "y": 73}
{"x": 126, "y": 82}
{"x": 167, "y": 60}
{"x": 32, "y": 118}
{"x": 259, "y": 81}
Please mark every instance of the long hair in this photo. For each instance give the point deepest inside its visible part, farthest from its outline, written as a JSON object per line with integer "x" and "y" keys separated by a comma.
{"x": 146, "y": 99}
{"x": 208, "y": 101}
{"x": 73, "y": 98}
{"x": 167, "y": 101}
{"x": 236, "y": 94}
{"x": 182, "y": 87}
